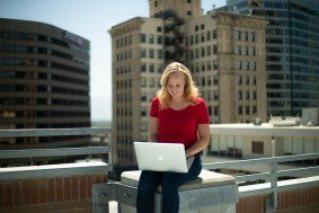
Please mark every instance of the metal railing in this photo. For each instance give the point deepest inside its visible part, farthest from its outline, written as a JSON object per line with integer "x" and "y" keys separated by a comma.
{"x": 273, "y": 186}
{"x": 85, "y": 167}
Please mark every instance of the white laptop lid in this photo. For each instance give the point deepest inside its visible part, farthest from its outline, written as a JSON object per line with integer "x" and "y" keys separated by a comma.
{"x": 160, "y": 156}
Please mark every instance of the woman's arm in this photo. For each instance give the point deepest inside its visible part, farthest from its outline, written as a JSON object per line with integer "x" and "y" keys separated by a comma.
{"x": 202, "y": 142}
{"x": 152, "y": 136}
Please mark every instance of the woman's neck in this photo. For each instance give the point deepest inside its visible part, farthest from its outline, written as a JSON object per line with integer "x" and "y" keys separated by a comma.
{"x": 178, "y": 100}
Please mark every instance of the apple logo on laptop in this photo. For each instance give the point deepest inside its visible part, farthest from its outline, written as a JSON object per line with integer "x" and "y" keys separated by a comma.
{"x": 159, "y": 157}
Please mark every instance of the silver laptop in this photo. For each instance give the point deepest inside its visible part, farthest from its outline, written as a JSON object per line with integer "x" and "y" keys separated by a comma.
{"x": 161, "y": 156}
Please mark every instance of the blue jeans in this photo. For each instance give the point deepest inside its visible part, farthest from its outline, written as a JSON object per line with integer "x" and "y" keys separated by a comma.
{"x": 170, "y": 181}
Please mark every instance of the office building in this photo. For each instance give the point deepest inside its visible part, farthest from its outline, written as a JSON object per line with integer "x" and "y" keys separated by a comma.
{"x": 292, "y": 49}
{"x": 224, "y": 51}
{"x": 44, "y": 82}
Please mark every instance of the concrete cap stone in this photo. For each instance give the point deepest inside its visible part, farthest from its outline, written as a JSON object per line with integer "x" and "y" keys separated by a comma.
{"x": 205, "y": 179}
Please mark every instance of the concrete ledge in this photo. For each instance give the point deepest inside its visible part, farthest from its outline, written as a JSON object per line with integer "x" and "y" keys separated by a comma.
{"x": 55, "y": 170}
{"x": 284, "y": 185}
{"x": 205, "y": 179}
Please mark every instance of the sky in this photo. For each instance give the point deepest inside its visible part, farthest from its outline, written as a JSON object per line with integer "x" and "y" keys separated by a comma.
{"x": 90, "y": 19}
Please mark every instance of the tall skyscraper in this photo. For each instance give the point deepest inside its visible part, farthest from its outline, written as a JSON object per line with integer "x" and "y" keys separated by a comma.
{"x": 224, "y": 51}
{"x": 44, "y": 82}
{"x": 292, "y": 49}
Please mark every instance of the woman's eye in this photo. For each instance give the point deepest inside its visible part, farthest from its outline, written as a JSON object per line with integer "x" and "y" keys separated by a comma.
{"x": 172, "y": 86}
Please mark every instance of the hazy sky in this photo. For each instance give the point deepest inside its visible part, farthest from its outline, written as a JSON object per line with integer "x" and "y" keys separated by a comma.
{"x": 90, "y": 19}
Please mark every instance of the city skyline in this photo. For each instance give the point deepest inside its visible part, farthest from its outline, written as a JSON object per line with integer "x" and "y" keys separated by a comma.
{"x": 98, "y": 17}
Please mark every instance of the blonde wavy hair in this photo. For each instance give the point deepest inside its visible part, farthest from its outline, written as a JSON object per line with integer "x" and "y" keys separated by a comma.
{"x": 190, "y": 90}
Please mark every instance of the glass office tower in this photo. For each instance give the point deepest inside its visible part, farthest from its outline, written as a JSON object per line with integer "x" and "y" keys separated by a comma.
{"x": 44, "y": 82}
{"x": 292, "y": 49}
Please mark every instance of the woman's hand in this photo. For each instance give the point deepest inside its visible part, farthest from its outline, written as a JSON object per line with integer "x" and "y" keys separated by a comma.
{"x": 202, "y": 142}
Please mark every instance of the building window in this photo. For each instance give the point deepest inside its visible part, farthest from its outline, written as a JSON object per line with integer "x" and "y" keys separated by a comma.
{"x": 196, "y": 39}
{"x": 130, "y": 39}
{"x": 209, "y": 81}
{"x": 215, "y": 81}
{"x": 196, "y": 53}
{"x": 189, "y": 1}
{"x": 143, "y": 53}
{"x": 237, "y": 35}
{"x": 208, "y": 37}
{"x": 209, "y": 66}
{"x": 215, "y": 95}
{"x": 246, "y": 36}
{"x": 151, "y": 82}
{"x": 151, "y": 67}
{"x": 191, "y": 40}
{"x": 143, "y": 112}
{"x": 203, "y": 51}
{"x": 151, "y": 52}
{"x": 216, "y": 110}
{"x": 239, "y": 80}
{"x": 215, "y": 49}
{"x": 143, "y": 68}
{"x": 159, "y": 39}
{"x": 237, "y": 50}
{"x": 159, "y": 54}
{"x": 214, "y": 34}
{"x": 247, "y": 98}
{"x": 203, "y": 67}
{"x": 252, "y": 65}
{"x": 159, "y": 68}
{"x": 246, "y": 50}
{"x": 247, "y": 110}
{"x": 210, "y": 110}
{"x": 144, "y": 96}
{"x": 143, "y": 82}
{"x": 240, "y": 110}
{"x": 238, "y": 65}
{"x": 252, "y": 36}
{"x": 215, "y": 65}
{"x": 240, "y": 95}
{"x": 151, "y": 39}
{"x": 203, "y": 81}
{"x": 257, "y": 147}
{"x": 189, "y": 13}
{"x": 159, "y": 29}
{"x": 202, "y": 37}
{"x": 143, "y": 38}
{"x": 245, "y": 65}
{"x": 208, "y": 50}
{"x": 252, "y": 51}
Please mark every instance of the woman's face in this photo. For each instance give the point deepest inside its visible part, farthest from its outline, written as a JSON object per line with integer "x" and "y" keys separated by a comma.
{"x": 176, "y": 84}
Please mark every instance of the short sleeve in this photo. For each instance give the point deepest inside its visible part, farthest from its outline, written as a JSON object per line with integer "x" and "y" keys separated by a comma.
{"x": 154, "y": 107}
{"x": 202, "y": 112}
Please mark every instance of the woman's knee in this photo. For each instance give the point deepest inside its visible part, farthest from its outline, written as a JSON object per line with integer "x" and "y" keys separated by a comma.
{"x": 168, "y": 186}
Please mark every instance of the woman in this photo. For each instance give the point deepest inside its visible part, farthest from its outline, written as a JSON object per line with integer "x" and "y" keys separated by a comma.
{"x": 177, "y": 115}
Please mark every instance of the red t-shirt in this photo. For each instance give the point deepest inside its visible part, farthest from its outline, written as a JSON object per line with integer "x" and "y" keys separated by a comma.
{"x": 180, "y": 126}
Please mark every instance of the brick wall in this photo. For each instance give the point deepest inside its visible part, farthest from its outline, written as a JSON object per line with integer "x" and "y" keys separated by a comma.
{"x": 286, "y": 200}
{"x": 254, "y": 204}
{"x": 300, "y": 197}
{"x": 31, "y": 192}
